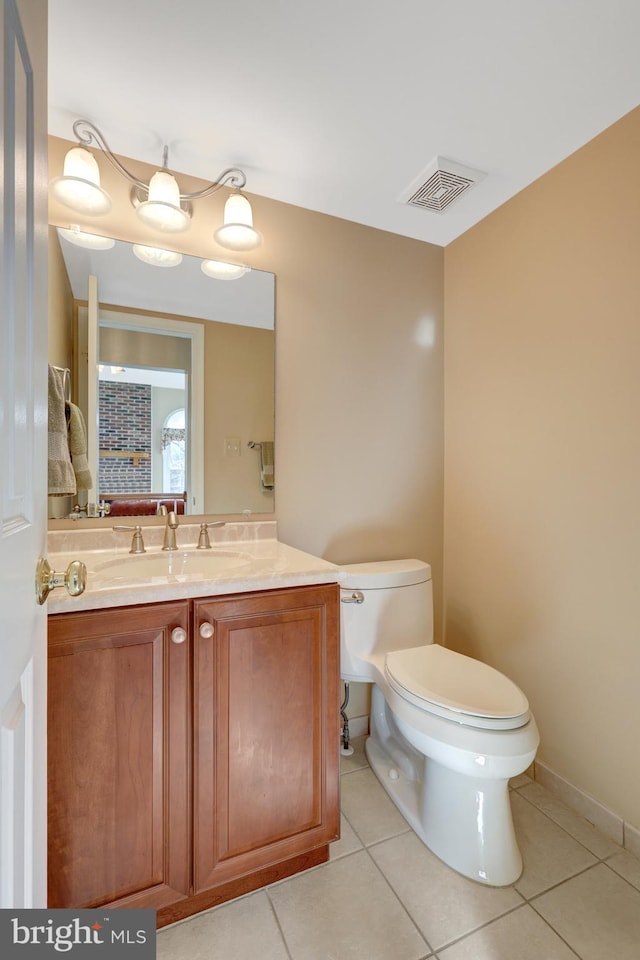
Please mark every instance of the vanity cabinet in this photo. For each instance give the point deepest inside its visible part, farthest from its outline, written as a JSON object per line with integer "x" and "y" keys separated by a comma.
{"x": 193, "y": 748}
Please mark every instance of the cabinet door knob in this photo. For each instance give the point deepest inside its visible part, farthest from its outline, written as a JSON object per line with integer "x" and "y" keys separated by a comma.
{"x": 206, "y": 631}
{"x": 178, "y": 635}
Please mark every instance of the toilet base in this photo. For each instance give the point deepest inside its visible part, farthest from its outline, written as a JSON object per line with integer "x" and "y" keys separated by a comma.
{"x": 465, "y": 821}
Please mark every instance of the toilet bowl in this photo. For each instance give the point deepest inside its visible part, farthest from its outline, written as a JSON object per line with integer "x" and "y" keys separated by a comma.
{"x": 446, "y": 732}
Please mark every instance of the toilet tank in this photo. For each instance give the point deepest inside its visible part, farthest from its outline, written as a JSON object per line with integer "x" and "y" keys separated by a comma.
{"x": 396, "y": 612}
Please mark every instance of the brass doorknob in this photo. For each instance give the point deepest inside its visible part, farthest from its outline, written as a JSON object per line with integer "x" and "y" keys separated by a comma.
{"x": 74, "y": 579}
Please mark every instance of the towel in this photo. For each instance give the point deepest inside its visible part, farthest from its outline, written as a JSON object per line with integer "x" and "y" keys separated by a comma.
{"x": 62, "y": 479}
{"x": 266, "y": 464}
{"x": 78, "y": 448}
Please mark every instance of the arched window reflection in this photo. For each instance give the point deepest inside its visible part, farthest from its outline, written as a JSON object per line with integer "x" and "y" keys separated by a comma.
{"x": 173, "y": 453}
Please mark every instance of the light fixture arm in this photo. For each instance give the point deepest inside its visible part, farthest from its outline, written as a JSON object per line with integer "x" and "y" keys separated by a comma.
{"x": 89, "y": 135}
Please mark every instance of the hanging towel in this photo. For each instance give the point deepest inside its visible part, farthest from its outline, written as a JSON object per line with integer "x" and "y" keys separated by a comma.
{"x": 62, "y": 479}
{"x": 266, "y": 464}
{"x": 78, "y": 448}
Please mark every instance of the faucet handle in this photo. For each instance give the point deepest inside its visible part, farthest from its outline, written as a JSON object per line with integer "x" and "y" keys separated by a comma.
{"x": 203, "y": 540}
{"x": 137, "y": 543}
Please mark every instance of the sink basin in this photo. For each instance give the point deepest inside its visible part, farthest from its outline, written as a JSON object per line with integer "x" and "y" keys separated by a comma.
{"x": 182, "y": 564}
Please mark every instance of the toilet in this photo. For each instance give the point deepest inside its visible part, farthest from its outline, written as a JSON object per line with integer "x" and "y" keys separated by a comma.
{"x": 446, "y": 732}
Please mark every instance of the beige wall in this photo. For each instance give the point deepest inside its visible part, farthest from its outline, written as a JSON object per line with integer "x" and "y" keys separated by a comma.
{"x": 238, "y": 403}
{"x": 358, "y": 372}
{"x": 542, "y": 457}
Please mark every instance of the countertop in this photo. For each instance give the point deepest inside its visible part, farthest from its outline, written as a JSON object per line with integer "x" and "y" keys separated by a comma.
{"x": 246, "y": 557}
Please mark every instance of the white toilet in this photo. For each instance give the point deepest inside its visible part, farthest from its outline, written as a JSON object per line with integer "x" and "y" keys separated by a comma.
{"x": 446, "y": 731}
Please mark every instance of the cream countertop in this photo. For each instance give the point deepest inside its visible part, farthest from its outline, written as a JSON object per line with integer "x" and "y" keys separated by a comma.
{"x": 257, "y": 561}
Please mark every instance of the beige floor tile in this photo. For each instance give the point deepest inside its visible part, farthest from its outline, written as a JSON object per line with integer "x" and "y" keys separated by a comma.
{"x": 368, "y": 808}
{"x": 345, "y": 910}
{"x": 550, "y": 855}
{"x": 572, "y": 822}
{"x": 243, "y": 930}
{"x": 627, "y": 866}
{"x": 597, "y": 913}
{"x": 443, "y": 904}
{"x": 348, "y": 842}
{"x": 358, "y": 760}
{"x": 521, "y": 935}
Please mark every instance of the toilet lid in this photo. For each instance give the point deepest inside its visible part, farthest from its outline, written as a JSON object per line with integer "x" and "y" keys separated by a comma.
{"x": 457, "y": 687}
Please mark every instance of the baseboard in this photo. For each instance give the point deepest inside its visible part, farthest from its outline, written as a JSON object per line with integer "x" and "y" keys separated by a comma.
{"x": 632, "y": 840}
{"x": 596, "y": 813}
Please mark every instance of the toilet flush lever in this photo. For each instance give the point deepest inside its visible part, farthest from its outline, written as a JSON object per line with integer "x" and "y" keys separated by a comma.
{"x": 356, "y": 597}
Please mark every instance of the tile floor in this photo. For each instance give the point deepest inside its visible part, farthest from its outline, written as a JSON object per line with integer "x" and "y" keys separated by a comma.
{"x": 384, "y": 896}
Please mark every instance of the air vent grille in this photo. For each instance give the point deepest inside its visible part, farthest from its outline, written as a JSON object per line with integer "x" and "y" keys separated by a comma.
{"x": 440, "y": 184}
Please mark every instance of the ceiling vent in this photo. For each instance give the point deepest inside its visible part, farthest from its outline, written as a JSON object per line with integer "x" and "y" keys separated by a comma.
{"x": 440, "y": 184}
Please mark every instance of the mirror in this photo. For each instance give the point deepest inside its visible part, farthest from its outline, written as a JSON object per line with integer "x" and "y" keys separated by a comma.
{"x": 182, "y": 397}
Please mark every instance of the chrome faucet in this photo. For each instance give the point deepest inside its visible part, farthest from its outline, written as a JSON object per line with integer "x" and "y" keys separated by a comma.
{"x": 170, "y": 532}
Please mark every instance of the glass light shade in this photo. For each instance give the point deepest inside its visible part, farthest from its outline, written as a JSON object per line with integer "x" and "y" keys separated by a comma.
{"x": 219, "y": 270}
{"x": 91, "y": 241}
{"x": 162, "y": 210}
{"x": 237, "y": 231}
{"x": 79, "y": 186}
{"x": 156, "y": 256}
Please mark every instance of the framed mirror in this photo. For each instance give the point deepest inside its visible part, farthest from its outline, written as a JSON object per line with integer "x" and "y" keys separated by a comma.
{"x": 173, "y": 370}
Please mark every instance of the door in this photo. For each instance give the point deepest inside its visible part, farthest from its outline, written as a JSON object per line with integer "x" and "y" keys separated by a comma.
{"x": 23, "y": 423}
{"x": 119, "y": 788}
{"x": 265, "y": 730}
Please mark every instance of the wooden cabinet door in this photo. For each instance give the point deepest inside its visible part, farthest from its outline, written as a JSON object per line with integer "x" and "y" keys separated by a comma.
{"x": 266, "y": 729}
{"x": 119, "y": 728}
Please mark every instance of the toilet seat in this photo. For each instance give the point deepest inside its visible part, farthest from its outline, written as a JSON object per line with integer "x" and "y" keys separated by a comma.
{"x": 456, "y": 687}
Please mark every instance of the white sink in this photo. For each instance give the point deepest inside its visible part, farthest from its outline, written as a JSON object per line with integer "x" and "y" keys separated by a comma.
{"x": 192, "y": 564}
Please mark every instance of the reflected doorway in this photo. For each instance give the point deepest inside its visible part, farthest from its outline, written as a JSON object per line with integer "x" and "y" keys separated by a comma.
{"x": 143, "y": 441}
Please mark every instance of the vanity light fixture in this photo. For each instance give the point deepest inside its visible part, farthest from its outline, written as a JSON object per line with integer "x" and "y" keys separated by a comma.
{"x": 159, "y": 204}
{"x": 162, "y": 210}
{"x": 79, "y": 186}
{"x": 237, "y": 231}
{"x": 219, "y": 270}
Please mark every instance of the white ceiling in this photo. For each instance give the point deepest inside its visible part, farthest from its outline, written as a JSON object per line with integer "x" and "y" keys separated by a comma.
{"x": 338, "y": 105}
